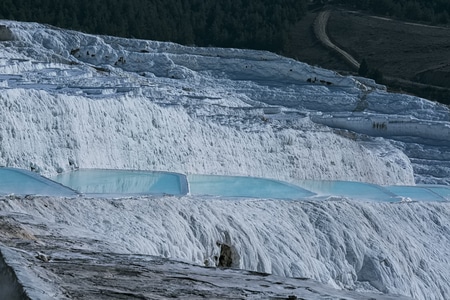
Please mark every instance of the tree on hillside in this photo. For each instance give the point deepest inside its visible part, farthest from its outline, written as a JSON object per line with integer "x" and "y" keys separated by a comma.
{"x": 363, "y": 68}
{"x": 365, "y": 71}
{"x": 258, "y": 24}
{"x": 376, "y": 75}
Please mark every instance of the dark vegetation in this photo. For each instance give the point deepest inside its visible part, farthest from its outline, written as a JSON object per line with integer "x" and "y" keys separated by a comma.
{"x": 365, "y": 71}
{"x": 397, "y": 57}
{"x": 257, "y": 24}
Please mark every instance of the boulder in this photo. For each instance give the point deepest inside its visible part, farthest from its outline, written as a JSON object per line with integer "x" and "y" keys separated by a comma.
{"x": 6, "y": 33}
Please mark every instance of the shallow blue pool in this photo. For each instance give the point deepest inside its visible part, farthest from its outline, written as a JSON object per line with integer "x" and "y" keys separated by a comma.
{"x": 131, "y": 182}
{"x": 240, "y": 186}
{"x": 421, "y": 193}
{"x": 350, "y": 189}
{"x": 443, "y": 191}
{"x": 99, "y": 181}
{"x": 23, "y": 182}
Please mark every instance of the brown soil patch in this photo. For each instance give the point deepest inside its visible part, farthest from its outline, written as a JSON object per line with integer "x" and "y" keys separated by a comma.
{"x": 11, "y": 229}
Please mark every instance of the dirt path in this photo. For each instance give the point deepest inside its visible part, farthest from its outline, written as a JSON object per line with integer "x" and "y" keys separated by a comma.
{"x": 320, "y": 25}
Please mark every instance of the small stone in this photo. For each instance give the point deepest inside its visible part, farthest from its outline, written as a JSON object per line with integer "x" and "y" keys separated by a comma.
{"x": 43, "y": 257}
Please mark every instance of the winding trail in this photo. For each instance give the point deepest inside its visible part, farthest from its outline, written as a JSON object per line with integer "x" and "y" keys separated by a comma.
{"x": 320, "y": 25}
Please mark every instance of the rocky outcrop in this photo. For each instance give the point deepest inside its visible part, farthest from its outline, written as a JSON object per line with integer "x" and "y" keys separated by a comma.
{"x": 225, "y": 259}
{"x": 10, "y": 287}
{"x": 228, "y": 257}
{"x": 6, "y": 33}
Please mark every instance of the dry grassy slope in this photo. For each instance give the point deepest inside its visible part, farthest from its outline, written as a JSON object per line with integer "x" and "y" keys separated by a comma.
{"x": 398, "y": 49}
{"x": 305, "y": 47}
